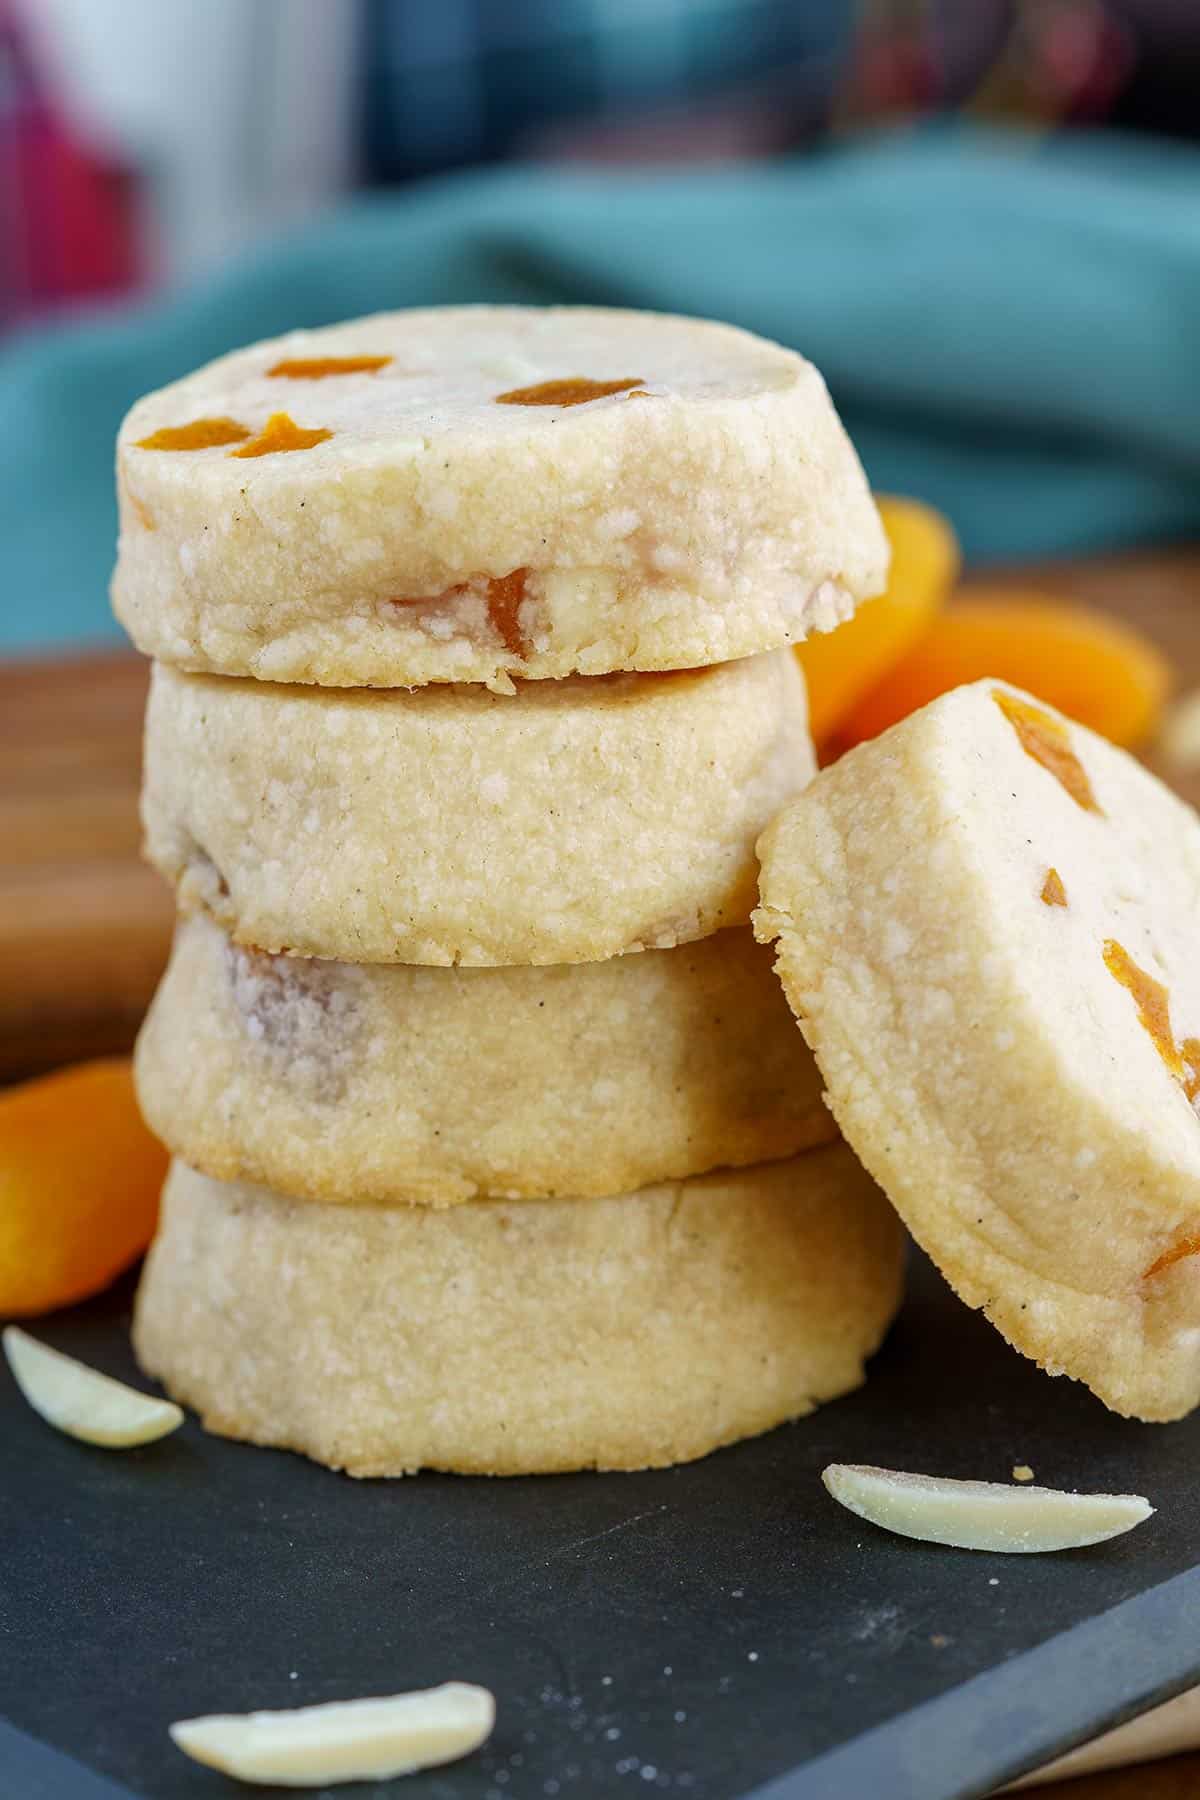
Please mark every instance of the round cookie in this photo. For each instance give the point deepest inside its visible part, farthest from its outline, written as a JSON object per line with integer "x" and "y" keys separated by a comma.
{"x": 986, "y": 925}
{"x": 520, "y": 1337}
{"x": 375, "y": 1083}
{"x": 477, "y": 493}
{"x": 573, "y": 821}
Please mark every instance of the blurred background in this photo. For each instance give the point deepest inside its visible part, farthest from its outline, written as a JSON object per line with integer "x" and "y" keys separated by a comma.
{"x": 148, "y": 140}
{"x": 981, "y": 218}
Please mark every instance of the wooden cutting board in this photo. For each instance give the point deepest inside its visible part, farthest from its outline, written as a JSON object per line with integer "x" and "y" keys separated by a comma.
{"x": 84, "y": 927}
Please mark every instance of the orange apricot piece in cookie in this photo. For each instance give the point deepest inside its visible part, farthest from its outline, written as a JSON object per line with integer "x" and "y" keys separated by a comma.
{"x": 197, "y": 434}
{"x": 319, "y": 368}
{"x": 281, "y": 432}
{"x": 571, "y": 390}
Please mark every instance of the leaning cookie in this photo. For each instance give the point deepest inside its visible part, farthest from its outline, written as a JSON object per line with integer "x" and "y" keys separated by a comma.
{"x": 370, "y": 1084}
{"x": 572, "y": 821}
{"x": 519, "y": 1337}
{"x": 478, "y": 493}
{"x": 986, "y": 925}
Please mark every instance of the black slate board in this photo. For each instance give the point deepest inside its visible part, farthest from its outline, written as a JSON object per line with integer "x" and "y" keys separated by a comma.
{"x": 703, "y": 1631}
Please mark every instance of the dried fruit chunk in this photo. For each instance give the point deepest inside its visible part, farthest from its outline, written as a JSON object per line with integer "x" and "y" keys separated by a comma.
{"x": 1152, "y": 1001}
{"x": 1096, "y": 671}
{"x": 80, "y": 1177}
{"x": 1182, "y": 1061}
{"x": 82, "y": 1402}
{"x": 281, "y": 432}
{"x": 1154, "y": 1015}
{"x": 842, "y": 666}
{"x": 316, "y": 368}
{"x": 1053, "y": 891}
{"x": 1048, "y": 741}
{"x": 1187, "y": 1246}
{"x": 982, "y": 1515}
{"x": 571, "y": 390}
{"x": 352, "y": 1740}
{"x": 200, "y": 434}
{"x": 502, "y": 595}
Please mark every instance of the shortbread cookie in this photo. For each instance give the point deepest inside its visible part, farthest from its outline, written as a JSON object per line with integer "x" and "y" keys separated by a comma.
{"x": 525, "y": 1336}
{"x": 374, "y": 1083}
{"x": 477, "y": 493}
{"x": 572, "y": 821}
{"x": 986, "y": 923}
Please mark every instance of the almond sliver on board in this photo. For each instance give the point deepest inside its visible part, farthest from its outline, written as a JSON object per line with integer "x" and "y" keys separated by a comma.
{"x": 353, "y": 1740}
{"x": 82, "y": 1402}
{"x": 982, "y": 1515}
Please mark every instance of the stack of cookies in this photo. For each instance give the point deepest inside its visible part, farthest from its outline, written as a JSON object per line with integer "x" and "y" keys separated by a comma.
{"x": 497, "y": 1147}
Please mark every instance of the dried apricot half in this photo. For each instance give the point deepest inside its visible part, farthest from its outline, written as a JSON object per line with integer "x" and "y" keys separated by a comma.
{"x": 79, "y": 1183}
{"x": 844, "y": 665}
{"x": 1105, "y": 674}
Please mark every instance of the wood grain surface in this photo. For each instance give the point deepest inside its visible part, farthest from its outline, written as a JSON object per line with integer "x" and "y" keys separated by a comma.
{"x": 84, "y": 927}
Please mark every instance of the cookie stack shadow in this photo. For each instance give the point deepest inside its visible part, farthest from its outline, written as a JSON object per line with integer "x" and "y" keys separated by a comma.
{"x": 497, "y": 1147}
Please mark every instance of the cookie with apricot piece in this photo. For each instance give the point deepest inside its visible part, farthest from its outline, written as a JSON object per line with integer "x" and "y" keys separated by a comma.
{"x": 985, "y": 923}
{"x": 488, "y": 493}
{"x": 79, "y": 1183}
{"x": 841, "y": 667}
{"x": 1103, "y": 673}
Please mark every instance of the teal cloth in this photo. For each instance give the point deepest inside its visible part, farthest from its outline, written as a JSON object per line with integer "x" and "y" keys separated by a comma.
{"x": 1010, "y": 329}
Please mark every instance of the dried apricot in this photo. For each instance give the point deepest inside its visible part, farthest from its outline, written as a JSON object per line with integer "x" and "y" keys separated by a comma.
{"x": 281, "y": 432}
{"x": 1053, "y": 891}
{"x": 1095, "y": 670}
{"x": 844, "y": 665}
{"x": 1187, "y": 1246}
{"x": 571, "y": 390}
{"x": 198, "y": 434}
{"x": 1048, "y": 741}
{"x": 79, "y": 1184}
{"x": 318, "y": 368}
{"x": 504, "y": 596}
{"x": 1152, "y": 1001}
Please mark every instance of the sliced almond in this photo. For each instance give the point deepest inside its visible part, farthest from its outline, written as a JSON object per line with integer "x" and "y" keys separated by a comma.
{"x": 1179, "y": 740}
{"x": 982, "y": 1515}
{"x": 81, "y": 1401}
{"x": 352, "y": 1740}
